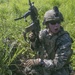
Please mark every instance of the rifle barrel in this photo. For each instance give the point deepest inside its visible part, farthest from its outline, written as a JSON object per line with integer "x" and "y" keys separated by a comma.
{"x": 18, "y": 18}
{"x": 24, "y": 16}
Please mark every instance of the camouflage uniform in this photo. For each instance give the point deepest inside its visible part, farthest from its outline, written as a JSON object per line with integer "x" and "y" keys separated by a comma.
{"x": 58, "y": 49}
{"x": 58, "y": 52}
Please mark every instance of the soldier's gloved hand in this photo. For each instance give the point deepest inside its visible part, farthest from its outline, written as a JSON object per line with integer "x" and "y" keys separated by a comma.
{"x": 32, "y": 62}
{"x": 29, "y": 62}
{"x": 32, "y": 37}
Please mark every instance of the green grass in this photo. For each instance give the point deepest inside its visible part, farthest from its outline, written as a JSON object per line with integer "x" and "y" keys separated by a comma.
{"x": 11, "y": 9}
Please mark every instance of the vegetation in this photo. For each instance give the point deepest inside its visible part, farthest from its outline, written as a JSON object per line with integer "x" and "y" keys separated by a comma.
{"x": 11, "y": 30}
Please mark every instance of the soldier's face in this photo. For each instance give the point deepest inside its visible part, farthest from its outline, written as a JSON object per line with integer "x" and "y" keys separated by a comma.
{"x": 54, "y": 27}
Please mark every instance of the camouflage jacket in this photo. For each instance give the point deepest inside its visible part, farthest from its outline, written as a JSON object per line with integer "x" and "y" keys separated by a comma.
{"x": 57, "y": 49}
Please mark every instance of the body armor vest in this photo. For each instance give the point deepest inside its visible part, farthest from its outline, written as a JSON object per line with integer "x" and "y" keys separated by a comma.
{"x": 50, "y": 45}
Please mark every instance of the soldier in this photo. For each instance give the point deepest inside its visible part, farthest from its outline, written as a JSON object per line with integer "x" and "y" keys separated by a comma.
{"x": 56, "y": 43}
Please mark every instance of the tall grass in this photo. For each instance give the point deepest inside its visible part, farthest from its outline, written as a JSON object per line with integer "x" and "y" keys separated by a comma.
{"x": 11, "y": 9}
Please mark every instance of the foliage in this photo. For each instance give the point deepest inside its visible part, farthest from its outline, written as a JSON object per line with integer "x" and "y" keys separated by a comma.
{"x": 13, "y": 30}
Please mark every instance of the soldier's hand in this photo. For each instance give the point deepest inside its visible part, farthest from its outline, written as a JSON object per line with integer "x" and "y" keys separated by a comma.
{"x": 29, "y": 62}
{"x": 32, "y": 62}
{"x": 32, "y": 37}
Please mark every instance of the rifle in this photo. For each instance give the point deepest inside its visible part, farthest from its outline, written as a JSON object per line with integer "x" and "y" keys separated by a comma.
{"x": 35, "y": 25}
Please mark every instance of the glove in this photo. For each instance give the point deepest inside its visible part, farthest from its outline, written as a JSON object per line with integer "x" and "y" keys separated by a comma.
{"x": 32, "y": 37}
{"x": 32, "y": 62}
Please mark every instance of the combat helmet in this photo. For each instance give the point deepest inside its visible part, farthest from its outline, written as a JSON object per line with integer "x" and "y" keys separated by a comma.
{"x": 53, "y": 15}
